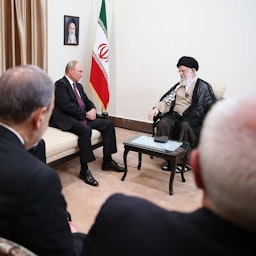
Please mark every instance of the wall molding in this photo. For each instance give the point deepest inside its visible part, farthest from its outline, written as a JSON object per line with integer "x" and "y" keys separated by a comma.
{"x": 131, "y": 124}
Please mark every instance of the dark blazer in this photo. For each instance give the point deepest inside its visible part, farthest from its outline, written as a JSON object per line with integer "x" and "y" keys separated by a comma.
{"x": 132, "y": 226}
{"x": 32, "y": 208}
{"x": 66, "y": 107}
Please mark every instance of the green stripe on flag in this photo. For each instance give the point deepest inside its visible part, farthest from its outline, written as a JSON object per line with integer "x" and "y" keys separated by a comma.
{"x": 103, "y": 17}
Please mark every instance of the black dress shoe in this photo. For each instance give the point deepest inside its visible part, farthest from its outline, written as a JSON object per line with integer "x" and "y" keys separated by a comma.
{"x": 187, "y": 168}
{"x": 112, "y": 165}
{"x": 179, "y": 168}
{"x": 165, "y": 167}
{"x": 68, "y": 216}
{"x": 88, "y": 178}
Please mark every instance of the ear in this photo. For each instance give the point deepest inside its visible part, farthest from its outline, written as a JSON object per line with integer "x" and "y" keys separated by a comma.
{"x": 195, "y": 164}
{"x": 38, "y": 116}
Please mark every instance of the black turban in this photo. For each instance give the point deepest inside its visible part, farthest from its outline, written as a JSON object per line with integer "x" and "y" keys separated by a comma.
{"x": 188, "y": 62}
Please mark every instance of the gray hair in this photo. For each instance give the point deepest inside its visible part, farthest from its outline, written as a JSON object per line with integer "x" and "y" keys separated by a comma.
{"x": 23, "y": 89}
{"x": 227, "y": 156}
{"x": 71, "y": 65}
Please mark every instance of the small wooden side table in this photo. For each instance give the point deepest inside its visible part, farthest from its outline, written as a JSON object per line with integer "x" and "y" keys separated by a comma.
{"x": 172, "y": 151}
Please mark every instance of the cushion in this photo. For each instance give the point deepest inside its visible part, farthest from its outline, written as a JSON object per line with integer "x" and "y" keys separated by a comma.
{"x": 60, "y": 143}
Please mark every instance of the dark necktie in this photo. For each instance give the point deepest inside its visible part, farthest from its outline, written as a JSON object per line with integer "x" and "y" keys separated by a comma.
{"x": 79, "y": 100}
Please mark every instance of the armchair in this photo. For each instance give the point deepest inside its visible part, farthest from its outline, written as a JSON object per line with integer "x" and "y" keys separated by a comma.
{"x": 218, "y": 90}
{"x": 185, "y": 133}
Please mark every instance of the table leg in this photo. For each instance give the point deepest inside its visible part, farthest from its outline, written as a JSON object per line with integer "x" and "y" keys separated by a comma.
{"x": 126, "y": 150}
{"x": 140, "y": 158}
{"x": 172, "y": 168}
{"x": 184, "y": 163}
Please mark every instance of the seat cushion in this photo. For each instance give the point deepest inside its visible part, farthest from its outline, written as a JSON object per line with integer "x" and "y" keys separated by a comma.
{"x": 219, "y": 91}
{"x": 60, "y": 144}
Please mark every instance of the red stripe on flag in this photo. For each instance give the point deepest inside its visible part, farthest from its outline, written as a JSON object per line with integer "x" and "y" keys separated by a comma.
{"x": 99, "y": 83}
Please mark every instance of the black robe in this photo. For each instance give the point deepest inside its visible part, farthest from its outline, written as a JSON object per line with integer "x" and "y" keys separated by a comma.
{"x": 203, "y": 98}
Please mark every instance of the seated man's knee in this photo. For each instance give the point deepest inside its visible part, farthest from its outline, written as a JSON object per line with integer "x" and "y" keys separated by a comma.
{"x": 86, "y": 129}
{"x": 164, "y": 122}
{"x": 184, "y": 125}
{"x": 165, "y": 127}
{"x": 108, "y": 125}
{"x": 109, "y": 122}
{"x": 187, "y": 134}
{"x": 81, "y": 130}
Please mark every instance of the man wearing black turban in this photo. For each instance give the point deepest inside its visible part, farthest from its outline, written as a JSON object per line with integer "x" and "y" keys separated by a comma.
{"x": 181, "y": 110}
{"x": 188, "y": 62}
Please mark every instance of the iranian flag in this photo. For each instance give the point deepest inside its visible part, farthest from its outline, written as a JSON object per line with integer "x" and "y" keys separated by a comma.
{"x": 100, "y": 64}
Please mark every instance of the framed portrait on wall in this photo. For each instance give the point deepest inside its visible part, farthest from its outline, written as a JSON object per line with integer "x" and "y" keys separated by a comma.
{"x": 71, "y": 30}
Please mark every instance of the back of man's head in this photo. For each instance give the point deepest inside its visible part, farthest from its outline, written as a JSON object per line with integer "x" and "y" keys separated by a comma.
{"x": 22, "y": 90}
{"x": 227, "y": 155}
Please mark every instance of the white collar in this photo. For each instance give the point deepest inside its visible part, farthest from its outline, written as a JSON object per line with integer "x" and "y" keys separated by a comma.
{"x": 70, "y": 81}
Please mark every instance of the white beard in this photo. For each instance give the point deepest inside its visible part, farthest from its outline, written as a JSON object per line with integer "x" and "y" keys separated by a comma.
{"x": 72, "y": 39}
{"x": 187, "y": 80}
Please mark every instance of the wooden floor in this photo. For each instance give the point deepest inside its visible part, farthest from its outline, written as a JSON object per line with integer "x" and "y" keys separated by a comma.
{"x": 150, "y": 182}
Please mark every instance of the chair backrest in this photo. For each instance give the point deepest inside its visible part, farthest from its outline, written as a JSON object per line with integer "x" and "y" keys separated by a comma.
{"x": 219, "y": 90}
{"x": 9, "y": 248}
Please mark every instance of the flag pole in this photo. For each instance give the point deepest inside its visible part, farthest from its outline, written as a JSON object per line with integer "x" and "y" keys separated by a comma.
{"x": 100, "y": 60}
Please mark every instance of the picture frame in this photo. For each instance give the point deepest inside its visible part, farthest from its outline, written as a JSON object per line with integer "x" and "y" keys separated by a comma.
{"x": 71, "y": 30}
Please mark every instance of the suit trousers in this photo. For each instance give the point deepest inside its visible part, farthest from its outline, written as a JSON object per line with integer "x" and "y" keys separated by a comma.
{"x": 167, "y": 126}
{"x": 39, "y": 151}
{"x": 84, "y": 132}
{"x": 175, "y": 127}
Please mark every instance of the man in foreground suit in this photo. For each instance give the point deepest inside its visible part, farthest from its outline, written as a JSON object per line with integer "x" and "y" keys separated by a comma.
{"x": 75, "y": 112}
{"x": 32, "y": 209}
{"x": 224, "y": 169}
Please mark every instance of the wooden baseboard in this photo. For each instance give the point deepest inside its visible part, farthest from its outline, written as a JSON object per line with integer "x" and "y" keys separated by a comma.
{"x": 131, "y": 124}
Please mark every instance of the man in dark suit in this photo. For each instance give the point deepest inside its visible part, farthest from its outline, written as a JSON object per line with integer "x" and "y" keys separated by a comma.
{"x": 32, "y": 209}
{"x": 39, "y": 150}
{"x": 225, "y": 225}
{"x": 76, "y": 113}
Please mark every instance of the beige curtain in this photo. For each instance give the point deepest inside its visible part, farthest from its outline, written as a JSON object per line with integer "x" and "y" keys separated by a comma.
{"x": 23, "y": 33}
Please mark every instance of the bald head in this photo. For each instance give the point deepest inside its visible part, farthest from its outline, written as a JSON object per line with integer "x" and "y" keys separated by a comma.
{"x": 226, "y": 156}
{"x": 22, "y": 90}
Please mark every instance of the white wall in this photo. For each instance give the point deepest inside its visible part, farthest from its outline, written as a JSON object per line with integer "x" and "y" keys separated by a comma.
{"x": 146, "y": 39}
{"x": 58, "y": 53}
